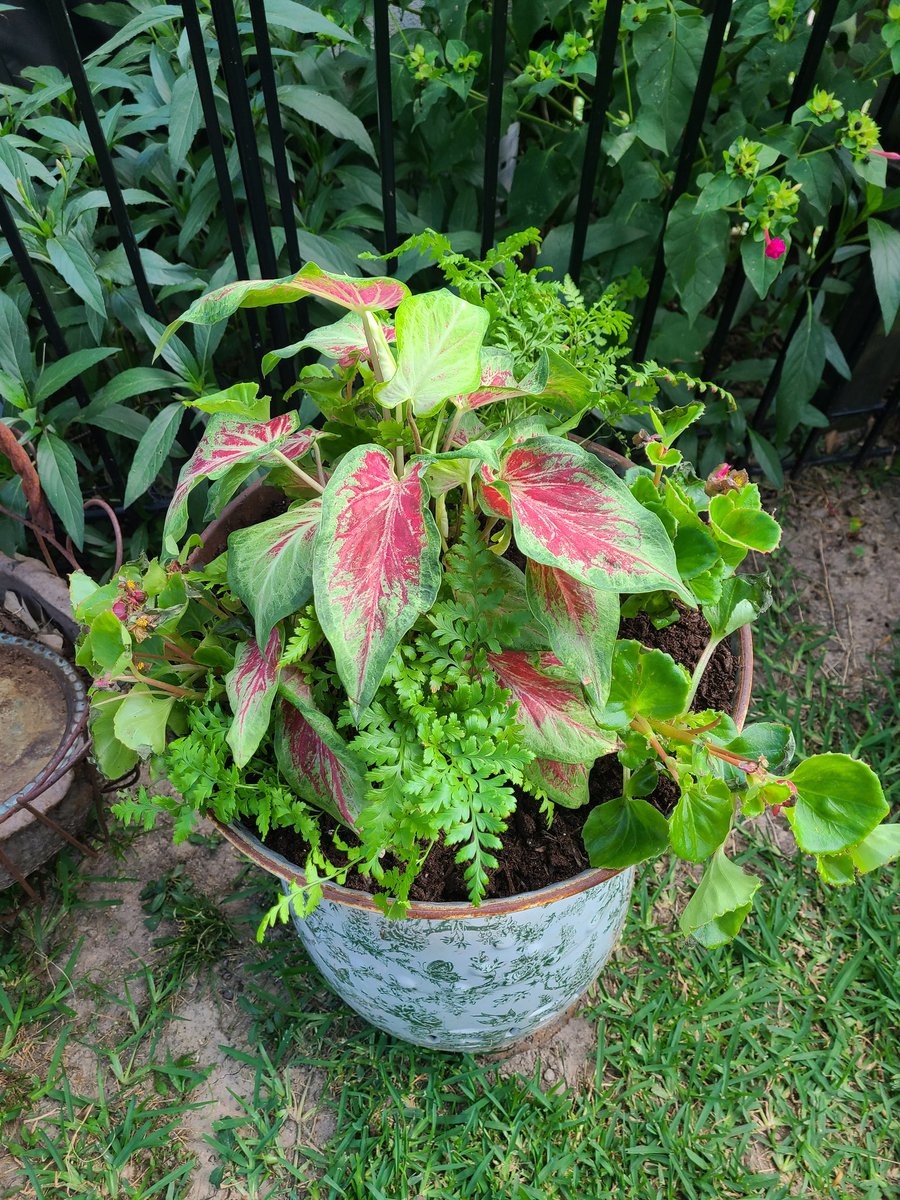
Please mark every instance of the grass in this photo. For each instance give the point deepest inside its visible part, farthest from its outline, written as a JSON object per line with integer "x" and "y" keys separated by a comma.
{"x": 764, "y": 1070}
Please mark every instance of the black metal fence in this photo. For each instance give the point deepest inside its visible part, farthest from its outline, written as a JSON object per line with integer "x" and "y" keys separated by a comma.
{"x": 856, "y": 326}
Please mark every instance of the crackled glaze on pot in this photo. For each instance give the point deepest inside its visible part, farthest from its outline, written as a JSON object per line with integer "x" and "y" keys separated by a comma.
{"x": 467, "y": 983}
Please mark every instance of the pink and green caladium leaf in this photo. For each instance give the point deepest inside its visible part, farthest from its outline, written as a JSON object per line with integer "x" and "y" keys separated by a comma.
{"x": 563, "y": 783}
{"x": 359, "y": 295}
{"x": 581, "y": 623}
{"x": 270, "y": 565}
{"x": 646, "y": 683}
{"x": 226, "y": 442}
{"x": 312, "y": 755}
{"x": 570, "y": 511}
{"x": 250, "y": 686}
{"x": 556, "y": 720}
{"x": 439, "y": 340}
{"x": 345, "y": 340}
{"x": 623, "y": 832}
{"x": 377, "y": 564}
{"x": 724, "y": 897}
{"x": 551, "y": 380}
{"x": 839, "y": 802}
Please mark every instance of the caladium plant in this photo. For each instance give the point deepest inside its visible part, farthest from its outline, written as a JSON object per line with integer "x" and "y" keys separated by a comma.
{"x": 424, "y": 626}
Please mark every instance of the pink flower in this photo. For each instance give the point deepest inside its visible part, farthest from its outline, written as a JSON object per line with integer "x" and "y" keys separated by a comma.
{"x": 120, "y": 608}
{"x": 722, "y": 472}
{"x": 775, "y": 247}
{"x": 886, "y": 154}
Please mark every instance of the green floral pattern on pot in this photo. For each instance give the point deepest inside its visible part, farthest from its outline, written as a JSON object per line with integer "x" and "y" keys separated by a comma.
{"x": 471, "y": 983}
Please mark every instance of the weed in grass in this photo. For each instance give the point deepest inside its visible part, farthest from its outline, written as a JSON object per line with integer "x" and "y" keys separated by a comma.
{"x": 204, "y": 933}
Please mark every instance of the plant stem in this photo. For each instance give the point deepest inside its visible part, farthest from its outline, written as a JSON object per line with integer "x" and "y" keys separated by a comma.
{"x": 642, "y": 725}
{"x": 438, "y": 427}
{"x": 307, "y": 479}
{"x": 320, "y": 470}
{"x": 451, "y": 432}
{"x": 417, "y": 437}
{"x": 702, "y": 664}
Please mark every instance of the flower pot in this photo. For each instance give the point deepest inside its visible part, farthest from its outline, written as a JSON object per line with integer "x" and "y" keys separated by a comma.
{"x": 44, "y": 799}
{"x": 449, "y": 975}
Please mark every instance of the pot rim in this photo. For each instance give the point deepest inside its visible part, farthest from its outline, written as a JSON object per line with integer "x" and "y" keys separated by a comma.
{"x": 73, "y": 690}
{"x": 250, "y": 845}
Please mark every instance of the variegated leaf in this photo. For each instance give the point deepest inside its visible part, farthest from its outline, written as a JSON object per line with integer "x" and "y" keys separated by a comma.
{"x": 251, "y": 686}
{"x": 358, "y": 295}
{"x": 563, "y": 783}
{"x": 581, "y": 623}
{"x": 498, "y": 381}
{"x": 570, "y": 511}
{"x": 439, "y": 341}
{"x": 312, "y": 755}
{"x": 552, "y": 711}
{"x": 377, "y": 564}
{"x": 552, "y": 381}
{"x": 270, "y": 565}
{"x": 226, "y": 442}
{"x": 345, "y": 340}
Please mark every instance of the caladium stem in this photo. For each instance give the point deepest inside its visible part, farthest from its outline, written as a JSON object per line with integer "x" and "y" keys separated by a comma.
{"x": 451, "y": 432}
{"x": 320, "y": 470}
{"x": 383, "y": 365}
{"x": 700, "y": 669}
{"x": 307, "y": 479}
{"x": 411, "y": 421}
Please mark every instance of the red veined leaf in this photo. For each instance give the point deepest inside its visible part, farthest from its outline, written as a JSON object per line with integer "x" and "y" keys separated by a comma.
{"x": 498, "y": 381}
{"x": 563, "y": 783}
{"x": 581, "y": 623}
{"x": 270, "y": 565}
{"x": 377, "y": 564}
{"x": 226, "y": 442}
{"x": 250, "y": 687}
{"x": 570, "y": 511}
{"x": 345, "y": 340}
{"x": 358, "y": 295}
{"x": 552, "y": 711}
{"x": 313, "y": 757}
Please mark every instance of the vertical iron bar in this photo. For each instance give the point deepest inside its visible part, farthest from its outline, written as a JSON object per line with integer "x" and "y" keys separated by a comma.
{"x": 716, "y": 344}
{"x": 41, "y": 301}
{"x": 276, "y": 132}
{"x": 890, "y": 407}
{"x": 251, "y": 168}
{"x": 692, "y": 131}
{"x": 219, "y": 159}
{"x": 805, "y": 77}
{"x": 492, "y": 128}
{"x": 382, "y": 39}
{"x": 62, "y": 27}
{"x": 606, "y": 58}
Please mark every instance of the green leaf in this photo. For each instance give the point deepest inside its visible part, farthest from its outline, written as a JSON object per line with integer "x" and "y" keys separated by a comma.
{"x": 815, "y": 176}
{"x": 645, "y": 683}
{"x": 623, "y": 832}
{"x": 59, "y": 480}
{"x": 839, "y": 802}
{"x": 742, "y": 600}
{"x": 696, "y": 247}
{"x": 716, "y": 911}
{"x": 160, "y": 14}
{"x": 804, "y": 363}
{"x": 701, "y": 820}
{"x": 669, "y": 47}
{"x": 764, "y": 739}
{"x": 287, "y": 14}
{"x": 135, "y": 381}
{"x": 439, "y": 340}
{"x": 695, "y": 551}
{"x": 836, "y": 869}
{"x": 720, "y": 192}
{"x": 140, "y": 720}
{"x": 152, "y": 451}
{"x": 670, "y": 423}
{"x": 185, "y": 115}
{"x": 112, "y": 757}
{"x": 761, "y": 271}
{"x": 74, "y": 264}
{"x": 59, "y": 373}
{"x": 767, "y": 457}
{"x": 881, "y": 846}
{"x": 330, "y": 114}
{"x": 884, "y": 248}
{"x": 109, "y": 643}
{"x": 241, "y": 399}
{"x": 738, "y": 519}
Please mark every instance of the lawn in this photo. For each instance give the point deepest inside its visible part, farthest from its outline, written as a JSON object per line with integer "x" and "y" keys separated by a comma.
{"x": 180, "y": 1060}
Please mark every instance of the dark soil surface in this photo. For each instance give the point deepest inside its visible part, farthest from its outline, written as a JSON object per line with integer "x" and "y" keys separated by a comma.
{"x": 536, "y": 855}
